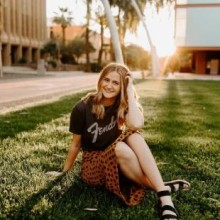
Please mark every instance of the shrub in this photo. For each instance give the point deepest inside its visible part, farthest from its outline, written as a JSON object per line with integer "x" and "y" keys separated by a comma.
{"x": 95, "y": 67}
{"x": 53, "y": 63}
{"x": 22, "y": 60}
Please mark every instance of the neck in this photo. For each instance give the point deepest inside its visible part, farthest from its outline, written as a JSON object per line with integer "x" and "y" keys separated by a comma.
{"x": 108, "y": 102}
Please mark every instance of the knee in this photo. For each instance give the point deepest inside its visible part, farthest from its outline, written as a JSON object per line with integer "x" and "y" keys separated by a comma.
{"x": 123, "y": 151}
{"x": 136, "y": 138}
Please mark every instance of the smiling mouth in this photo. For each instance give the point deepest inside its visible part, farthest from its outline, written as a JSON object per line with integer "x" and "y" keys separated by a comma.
{"x": 107, "y": 91}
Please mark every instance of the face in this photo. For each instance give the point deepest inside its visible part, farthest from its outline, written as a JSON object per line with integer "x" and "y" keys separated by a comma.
{"x": 110, "y": 87}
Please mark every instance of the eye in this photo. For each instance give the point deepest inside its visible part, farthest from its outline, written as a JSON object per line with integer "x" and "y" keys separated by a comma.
{"x": 106, "y": 79}
{"x": 116, "y": 83}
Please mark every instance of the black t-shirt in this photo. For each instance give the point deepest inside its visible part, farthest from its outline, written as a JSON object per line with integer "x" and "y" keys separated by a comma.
{"x": 97, "y": 134}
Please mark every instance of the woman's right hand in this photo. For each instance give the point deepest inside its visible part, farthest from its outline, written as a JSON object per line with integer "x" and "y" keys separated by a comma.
{"x": 129, "y": 84}
{"x": 55, "y": 173}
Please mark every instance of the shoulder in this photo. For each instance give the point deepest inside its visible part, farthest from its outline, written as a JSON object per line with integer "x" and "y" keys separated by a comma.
{"x": 82, "y": 105}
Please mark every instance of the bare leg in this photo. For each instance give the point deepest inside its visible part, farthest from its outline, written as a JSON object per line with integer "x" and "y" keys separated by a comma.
{"x": 140, "y": 165}
{"x": 132, "y": 168}
{"x": 146, "y": 160}
{"x": 129, "y": 164}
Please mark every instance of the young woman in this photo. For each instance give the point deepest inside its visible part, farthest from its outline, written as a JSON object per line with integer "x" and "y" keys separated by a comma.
{"x": 106, "y": 124}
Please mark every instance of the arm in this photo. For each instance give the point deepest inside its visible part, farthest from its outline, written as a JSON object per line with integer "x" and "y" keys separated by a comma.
{"x": 71, "y": 156}
{"x": 73, "y": 152}
{"x": 134, "y": 116}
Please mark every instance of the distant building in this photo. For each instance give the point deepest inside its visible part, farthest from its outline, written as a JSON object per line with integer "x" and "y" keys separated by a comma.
{"x": 197, "y": 35}
{"x": 23, "y": 30}
{"x": 55, "y": 31}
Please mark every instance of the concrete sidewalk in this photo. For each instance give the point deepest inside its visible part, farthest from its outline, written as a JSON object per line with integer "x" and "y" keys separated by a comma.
{"x": 20, "y": 90}
{"x": 23, "y": 91}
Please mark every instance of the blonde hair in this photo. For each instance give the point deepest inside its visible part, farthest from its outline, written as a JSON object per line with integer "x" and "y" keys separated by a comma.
{"x": 122, "y": 99}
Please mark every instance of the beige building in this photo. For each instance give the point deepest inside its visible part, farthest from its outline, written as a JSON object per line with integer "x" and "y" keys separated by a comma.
{"x": 23, "y": 30}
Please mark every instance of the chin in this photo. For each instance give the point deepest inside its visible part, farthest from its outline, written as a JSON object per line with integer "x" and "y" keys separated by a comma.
{"x": 108, "y": 96}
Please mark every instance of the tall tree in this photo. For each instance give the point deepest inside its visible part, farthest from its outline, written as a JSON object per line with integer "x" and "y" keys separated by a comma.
{"x": 126, "y": 18}
{"x": 77, "y": 47}
{"x": 101, "y": 19}
{"x": 130, "y": 13}
{"x": 114, "y": 32}
{"x": 154, "y": 57}
{"x": 64, "y": 19}
{"x": 88, "y": 17}
{"x": 101, "y": 22}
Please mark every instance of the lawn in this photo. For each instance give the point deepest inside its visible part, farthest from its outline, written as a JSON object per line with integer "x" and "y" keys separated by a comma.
{"x": 182, "y": 128}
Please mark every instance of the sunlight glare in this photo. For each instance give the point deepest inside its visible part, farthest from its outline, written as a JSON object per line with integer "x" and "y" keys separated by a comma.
{"x": 161, "y": 28}
{"x": 165, "y": 47}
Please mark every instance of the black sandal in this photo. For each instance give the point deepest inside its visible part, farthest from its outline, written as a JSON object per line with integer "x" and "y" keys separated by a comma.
{"x": 166, "y": 207}
{"x": 180, "y": 183}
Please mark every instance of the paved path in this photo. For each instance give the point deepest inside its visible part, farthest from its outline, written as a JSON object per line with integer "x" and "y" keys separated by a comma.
{"x": 21, "y": 92}
{"x": 26, "y": 90}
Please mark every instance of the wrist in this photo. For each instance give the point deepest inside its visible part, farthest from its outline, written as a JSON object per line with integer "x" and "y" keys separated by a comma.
{"x": 131, "y": 99}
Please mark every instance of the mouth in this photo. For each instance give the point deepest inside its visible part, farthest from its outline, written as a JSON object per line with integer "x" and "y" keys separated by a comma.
{"x": 108, "y": 91}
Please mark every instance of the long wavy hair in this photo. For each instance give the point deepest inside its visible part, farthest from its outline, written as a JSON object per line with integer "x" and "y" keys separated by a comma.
{"x": 122, "y": 99}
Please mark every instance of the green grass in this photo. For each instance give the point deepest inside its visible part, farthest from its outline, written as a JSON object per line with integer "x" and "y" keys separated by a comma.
{"x": 182, "y": 124}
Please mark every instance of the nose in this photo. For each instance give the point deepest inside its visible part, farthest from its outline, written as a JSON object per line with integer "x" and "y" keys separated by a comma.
{"x": 109, "y": 85}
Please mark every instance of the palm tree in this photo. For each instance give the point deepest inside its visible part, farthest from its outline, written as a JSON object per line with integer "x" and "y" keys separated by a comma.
{"x": 154, "y": 57}
{"x": 88, "y": 17}
{"x": 101, "y": 20}
{"x": 64, "y": 19}
{"x": 114, "y": 32}
{"x": 129, "y": 16}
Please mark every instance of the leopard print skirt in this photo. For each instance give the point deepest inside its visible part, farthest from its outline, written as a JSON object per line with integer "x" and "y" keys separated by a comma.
{"x": 101, "y": 168}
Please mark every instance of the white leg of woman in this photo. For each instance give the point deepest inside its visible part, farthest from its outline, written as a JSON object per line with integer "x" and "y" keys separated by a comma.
{"x": 146, "y": 160}
{"x": 129, "y": 164}
{"x": 148, "y": 166}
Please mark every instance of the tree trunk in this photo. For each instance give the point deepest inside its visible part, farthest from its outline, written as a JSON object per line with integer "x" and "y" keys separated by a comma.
{"x": 64, "y": 35}
{"x": 154, "y": 58}
{"x": 114, "y": 32}
{"x": 87, "y": 37}
{"x": 121, "y": 34}
{"x": 102, "y": 41}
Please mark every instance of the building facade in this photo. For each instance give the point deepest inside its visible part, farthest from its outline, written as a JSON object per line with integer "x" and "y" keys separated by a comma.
{"x": 23, "y": 30}
{"x": 197, "y": 34}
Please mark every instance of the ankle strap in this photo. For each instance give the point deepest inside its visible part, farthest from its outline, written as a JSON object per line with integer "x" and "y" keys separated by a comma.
{"x": 163, "y": 193}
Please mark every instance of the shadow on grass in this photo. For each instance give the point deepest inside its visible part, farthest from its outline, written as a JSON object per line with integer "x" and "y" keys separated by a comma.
{"x": 79, "y": 198}
{"x": 57, "y": 201}
{"x": 25, "y": 211}
{"x": 65, "y": 198}
{"x": 29, "y": 118}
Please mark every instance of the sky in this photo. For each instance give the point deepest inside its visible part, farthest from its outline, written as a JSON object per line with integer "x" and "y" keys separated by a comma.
{"x": 78, "y": 10}
{"x": 159, "y": 25}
